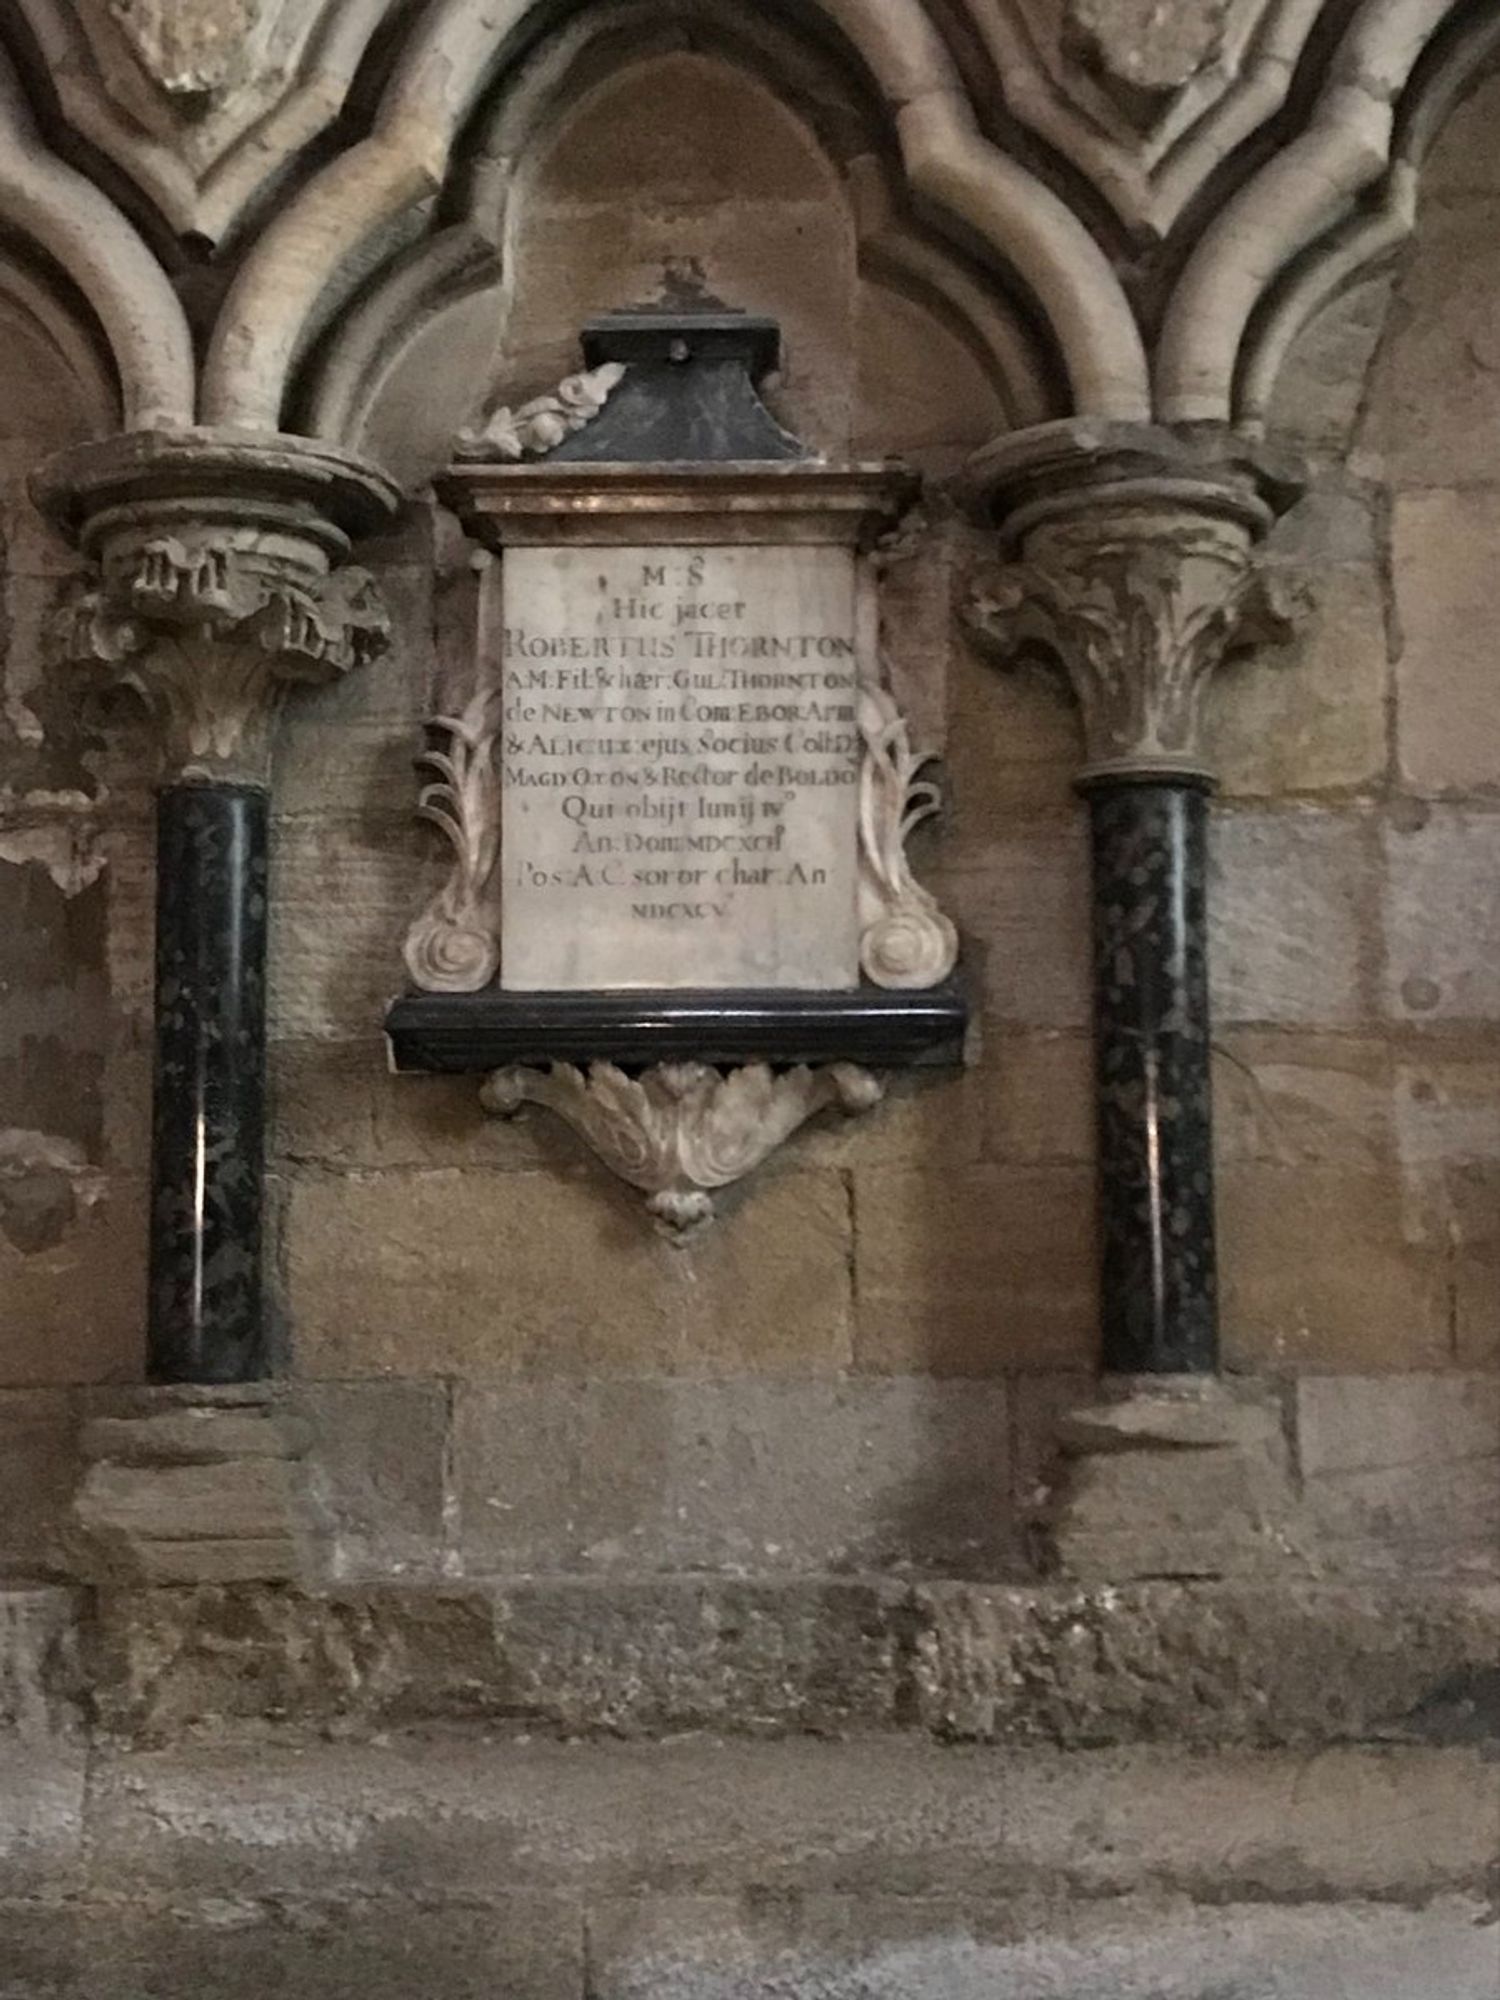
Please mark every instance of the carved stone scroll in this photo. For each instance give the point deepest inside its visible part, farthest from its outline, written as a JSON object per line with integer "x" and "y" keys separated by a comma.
{"x": 454, "y": 946}
{"x": 905, "y": 939}
{"x": 683, "y": 1129}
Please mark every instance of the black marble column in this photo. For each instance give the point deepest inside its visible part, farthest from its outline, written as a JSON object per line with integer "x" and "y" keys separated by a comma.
{"x": 1151, "y": 1027}
{"x": 208, "y": 1131}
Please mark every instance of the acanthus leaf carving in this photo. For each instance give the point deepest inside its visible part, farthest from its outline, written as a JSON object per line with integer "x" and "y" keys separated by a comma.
{"x": 541, "y": 425}
{"x": 905, "y": 939}
{"x": 1136, "y": 617}
{"x": 454, "y": 946}
{"x": 682, "y": 1130}
{"x": 210, "y": 635}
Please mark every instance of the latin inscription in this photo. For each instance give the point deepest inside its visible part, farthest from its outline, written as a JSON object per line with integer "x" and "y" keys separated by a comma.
{"x": 680, "y": 767}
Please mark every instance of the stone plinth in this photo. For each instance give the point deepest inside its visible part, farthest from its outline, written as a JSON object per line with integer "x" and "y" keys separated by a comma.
{"x": 189, "y": 1486}
{"x": 1173, "y": 1476}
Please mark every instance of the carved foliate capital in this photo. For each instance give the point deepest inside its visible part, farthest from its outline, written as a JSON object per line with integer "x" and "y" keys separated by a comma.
{"x": 1135, "y": 572}
{"x": 1135, "y": 616}
{"x": 219, "y": 581}
{"x": 210, "y": 637}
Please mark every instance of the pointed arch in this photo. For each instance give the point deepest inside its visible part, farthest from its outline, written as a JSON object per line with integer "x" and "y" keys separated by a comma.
{"x": 334, "y": 228}
{"x": 1304, "y": 191}
{"x": 68, "y": 219}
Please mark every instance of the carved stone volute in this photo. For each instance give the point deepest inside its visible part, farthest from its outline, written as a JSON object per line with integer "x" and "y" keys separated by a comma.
{"x": 1134, "y": 571}
{"x": 219, "y": 581}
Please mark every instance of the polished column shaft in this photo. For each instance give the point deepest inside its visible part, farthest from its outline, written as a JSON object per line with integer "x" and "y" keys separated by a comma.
{"x": 1152, "y": 1064}
{"x": 208, "y": 1129}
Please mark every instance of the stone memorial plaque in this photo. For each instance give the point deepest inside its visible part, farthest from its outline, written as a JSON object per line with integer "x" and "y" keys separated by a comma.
{"x": 680, "y": 768}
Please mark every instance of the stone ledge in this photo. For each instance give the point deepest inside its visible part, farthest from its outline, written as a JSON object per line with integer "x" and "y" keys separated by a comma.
{"x": 1207, "y": 1663}
{"x": 459, "y": 1815}
{"x": 746, "y": 1946}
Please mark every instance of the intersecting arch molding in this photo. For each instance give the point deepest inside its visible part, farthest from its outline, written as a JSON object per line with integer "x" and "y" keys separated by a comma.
{"x": 493, "y": 178}
{"x": 1336, "y": 197}
{"x": 459, "y": 51}
{"x": 1369, "y": 238}
{"x": 65, "y": 224}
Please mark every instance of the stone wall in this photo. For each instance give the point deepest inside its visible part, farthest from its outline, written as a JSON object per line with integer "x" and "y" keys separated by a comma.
{"x": 861, "y": 1364}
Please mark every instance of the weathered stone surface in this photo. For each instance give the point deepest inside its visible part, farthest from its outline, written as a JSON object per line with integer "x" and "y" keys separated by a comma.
{"x": 893, "y": 1948}
{"x": 39, "y": 1673}
{"x": 1442, "y": 894}
{"x": 485, "y": 1818}
{"x": 1285, "y": 1661}
{"x": 374, "y": 1480}
{"x": 1447, "y": 732}
{"x": 494, "y": 1274}
{"x": 1402, "y": 1472}
{"x": 1287, "y": 1302}
{"x": 1024, "y": 918}
{"x": 1038, "y": 1096}
{"x": 1446, "y": 1107}
{"x": 1309, "y": 716}
{"x": 38, "y": 1466}
{"x": 737, "y": 1475}
{"x": 1172, "y": 1476}
{"x": 1474, "y": 1233}
{"x": 514, "y": 1948}
{"x": 166, "y": 1660}
{"x": 74, "y": 1310}
{"x": 349, "y": 746}
{"x": 691, "y": 1653}
{"x": 229, "y": 1522}
{"x": 1293, "y": 897}
{"x": 1278, "y": 1662}
{"x": 975, "y": 1273}
{"x": 190, "y": 1485}
{"x": 575, "y": 1654}
{"x": 41, "y": 1820}
{"x": 343, "y": 891}
{"x": 1290, "y": 1097}
{"x": 1040, "y": 1401}
{"x": 173, "y": 1436}
{"x": 1432, "y": 407}
{"x": 1319, "y": 395}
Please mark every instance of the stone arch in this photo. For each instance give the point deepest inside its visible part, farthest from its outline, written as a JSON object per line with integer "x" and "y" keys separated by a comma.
{"x": 344, "y": 221}
{"x": 1299, "y": 202}
{"x": 1367, "y": 241}
{"x": 76, "y": 229}
{"x": 491, "y": 174}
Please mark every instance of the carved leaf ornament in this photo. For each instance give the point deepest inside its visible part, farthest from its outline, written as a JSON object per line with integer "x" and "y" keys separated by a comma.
{"x": 683, "y": 1129}
{"x": 454, "y": 946}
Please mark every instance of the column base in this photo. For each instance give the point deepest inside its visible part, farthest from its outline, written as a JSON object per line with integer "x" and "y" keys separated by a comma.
{"x": 1173, "y": 1476}
{"x": 189, "y": 1485}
